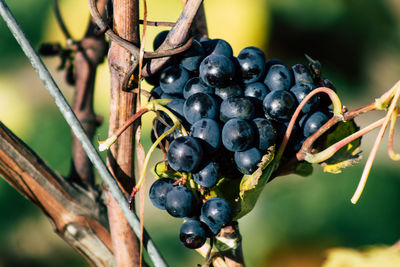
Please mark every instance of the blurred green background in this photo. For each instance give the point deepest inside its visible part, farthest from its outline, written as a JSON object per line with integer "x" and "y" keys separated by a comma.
{"x": 296, "y": 218}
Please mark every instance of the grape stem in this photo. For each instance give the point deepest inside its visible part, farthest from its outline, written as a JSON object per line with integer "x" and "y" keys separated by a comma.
{"x": 392, "y": 154}
{"x": 380, "y": 103}
{"x": 146, "y": 160}
{"x": 155, "y": 105}
{"x": 104, "y": 145}
{"x": 330, "y": 151}
{"x": 337, "y": 111}
{"x": 374, "y": 149}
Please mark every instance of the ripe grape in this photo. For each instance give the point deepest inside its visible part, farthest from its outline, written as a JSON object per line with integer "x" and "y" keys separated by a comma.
{"x": 193, "y": 234}
{"x": 196, "y": 85}
{"x": 252, "y": 64}
{"x": 300, "y": 91}
{"x": 207, "y": 176}
{"x": 199, "y": 106}
{"x": 237, "y": 135}
{"x": 278, "y": 78}
{"x": 266, "y": 134}
{"x": 173, "y": 79}
{"x": 159, "y": 190}
{"x": 192, "y": 57}
{"x": 217, "y": 70}
{"x": 231, "y": 90}
{"x": 236, "y": 107}
{"x": 218, "y": 47}
{"x": 257, "y": 90}
{"x": 301, "y": 74}
{"x": 159, "y": 39}
{"x": 184, "y": 154}
{"x": 279, "y": 105}
{"x": 208, "y": 131}
{"x": 247, "y": 160}
{"x": 180, "y": 202}
{"x": 313, "y": 122}
{"x": 216, "y": 213}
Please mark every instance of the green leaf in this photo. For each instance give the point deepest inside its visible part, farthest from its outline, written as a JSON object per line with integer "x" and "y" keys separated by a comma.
{"x": 242, "y": 192}
{"x": 252, "y": 185}
{"x": 347, "y": 156}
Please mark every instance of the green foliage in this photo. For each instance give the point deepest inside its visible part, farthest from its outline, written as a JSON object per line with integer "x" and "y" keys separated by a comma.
{"x": 348, "y": 155}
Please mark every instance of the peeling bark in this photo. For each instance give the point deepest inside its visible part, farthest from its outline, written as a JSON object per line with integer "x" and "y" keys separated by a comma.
{"x": 122, "y": 106}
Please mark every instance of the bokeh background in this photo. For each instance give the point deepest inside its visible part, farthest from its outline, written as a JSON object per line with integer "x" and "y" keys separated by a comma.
{"x": 296, "y": 219}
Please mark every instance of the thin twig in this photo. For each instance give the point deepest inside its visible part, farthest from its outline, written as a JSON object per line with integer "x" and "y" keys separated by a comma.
{"x": 393, "y": 155}
{"x": 337, "y": 113}
{"x": 158, "y": 23}
{"x": 308, "y": 143}
{"x": 60, "y": 20}
{"x": 176, "y": 36}
{"x": 133, "y": 49}
{"x": 76, "y": 127}
{"x": 374, "y": 149}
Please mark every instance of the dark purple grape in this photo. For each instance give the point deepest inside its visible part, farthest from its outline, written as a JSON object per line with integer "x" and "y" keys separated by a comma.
{"x": 278, "y": 78}
{"x": 170, "y": 96}
{"x": 266, "y": 134}
{"x": 301, "y": 74}
{"x": 156, "y": 92}
{"x": 153, "y": 79}
{"x": 209, "y": 131}
{"x": 196, "y": 85}
{"x": 231, "y": 90}
{"x": 193, "y": 234}
{"x": 257, "y": 90}
{"x": 176, "y": 106}
{"x": 300, "y": 91}
{"x": 173, "y": 79}
{"x": 208, "y": 175}
{"x": 217, "y": 47}
{"x": 184, "y": 154}
{"x": 217, "y": 70}
{"x": 325, "y": 101}
{"x": 159, "y": 190}
{"x": 222, "y": 47}
{"x": 246, "y": 161}
{"x": 272, "y": 62}
{"x": 192, "y": 57}
{"x": 216, "y": 213}
{"x": 313, "y": 122}
{"x": 180, "y": 202}
{"x": 279, "y": 105}
{"x": 160, "y": 129}
{"x": 236, "y": 107}
{"x": 159, "y": 39}
{"x": 237, "y": 135}
{"x": 252, "y": 64}
{"x": 199, "y": 106}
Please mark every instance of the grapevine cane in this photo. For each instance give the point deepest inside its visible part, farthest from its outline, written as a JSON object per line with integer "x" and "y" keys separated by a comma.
{"x": 76, "y": 127}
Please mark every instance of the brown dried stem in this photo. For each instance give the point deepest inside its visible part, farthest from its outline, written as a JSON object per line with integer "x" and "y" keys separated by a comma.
{"x": 122, "y": 106}
{"x": 76, "y": 214}
{"x": 177, "y": 36}
{"x": 91, "y": 52}
{"x": 393, "y": 155}
{"x": 158, "y": 23}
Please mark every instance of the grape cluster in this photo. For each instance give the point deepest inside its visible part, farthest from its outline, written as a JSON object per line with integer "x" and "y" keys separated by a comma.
{"x": 235, "y": 108}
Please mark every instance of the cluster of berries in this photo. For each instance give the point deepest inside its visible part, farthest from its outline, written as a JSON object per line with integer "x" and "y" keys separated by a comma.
{"x": 235, "y": 109}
